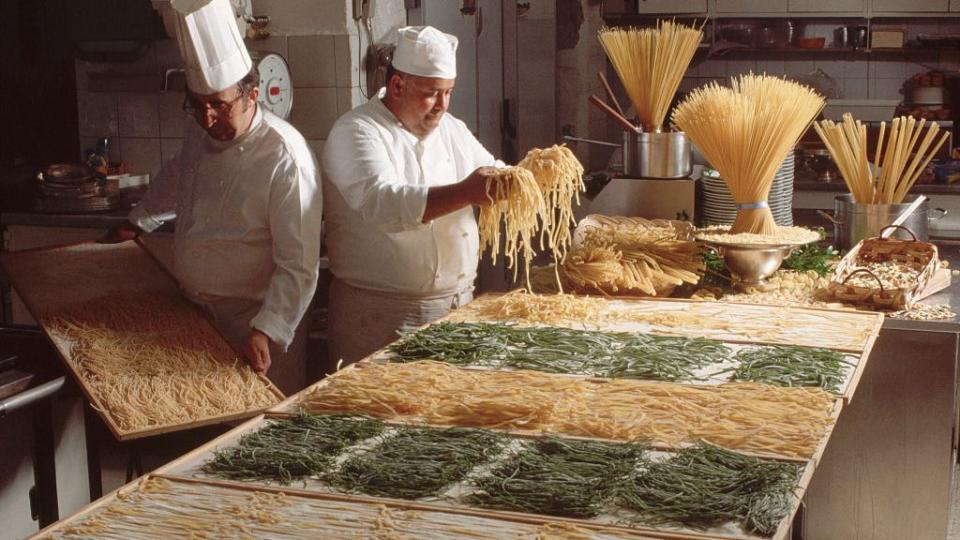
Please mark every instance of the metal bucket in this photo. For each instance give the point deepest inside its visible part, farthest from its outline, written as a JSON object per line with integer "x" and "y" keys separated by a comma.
{"x": 852, "y": 222}
{"x": 657, "y": 155}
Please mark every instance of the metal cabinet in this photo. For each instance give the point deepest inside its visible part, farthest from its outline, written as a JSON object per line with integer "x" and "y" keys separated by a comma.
{"x": 825, "y": 6}
{"x": 750, "y": 7}
{"x": 916, "y": 6}
{"x": 672, "y": 6}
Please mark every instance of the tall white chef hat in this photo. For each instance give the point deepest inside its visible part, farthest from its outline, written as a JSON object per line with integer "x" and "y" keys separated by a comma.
{"x": 427, "y": 52}
{"x": 213, "y": 52}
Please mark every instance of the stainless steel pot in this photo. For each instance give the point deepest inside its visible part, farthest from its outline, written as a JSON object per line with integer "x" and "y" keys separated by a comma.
{"x": 853, "y": 222}
{"x": 657, "y": 155}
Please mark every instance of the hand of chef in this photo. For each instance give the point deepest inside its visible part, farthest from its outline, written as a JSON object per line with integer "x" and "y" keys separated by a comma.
{"x": 476, "y": 185}
{"x": 121, "y": 233}
{"x": 257, "y": 350}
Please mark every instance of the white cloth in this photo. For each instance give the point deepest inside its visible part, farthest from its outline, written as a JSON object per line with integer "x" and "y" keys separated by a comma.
{"x": 248, "y": 220}
{"x": 376, "y": 177}
{"x": 214, "y": 56}
{"x": 363, "y": 321}
{"x": 426, "y": 52}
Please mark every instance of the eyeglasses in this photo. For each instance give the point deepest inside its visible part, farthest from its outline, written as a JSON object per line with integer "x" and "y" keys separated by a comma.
{"x": 197, "y": 108}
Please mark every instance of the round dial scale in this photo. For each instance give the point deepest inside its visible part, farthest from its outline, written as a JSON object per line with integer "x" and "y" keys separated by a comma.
{"x": 276, "y": 88}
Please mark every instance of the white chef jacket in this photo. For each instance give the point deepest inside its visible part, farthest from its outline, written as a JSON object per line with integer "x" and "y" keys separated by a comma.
{"x": 248, "y": 219}
{"x": 375, "y": 179}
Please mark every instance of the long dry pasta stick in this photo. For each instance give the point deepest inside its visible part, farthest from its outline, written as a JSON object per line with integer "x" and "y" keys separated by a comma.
{"x": 650, "y": 63}
{"x": 745, "y": 131}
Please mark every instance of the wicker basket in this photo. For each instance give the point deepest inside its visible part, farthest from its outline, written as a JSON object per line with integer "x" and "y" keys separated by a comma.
{"x": 920, "y": 255}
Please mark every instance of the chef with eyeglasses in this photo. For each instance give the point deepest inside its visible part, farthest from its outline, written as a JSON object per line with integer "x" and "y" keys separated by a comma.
{"x": 244, "y": 190}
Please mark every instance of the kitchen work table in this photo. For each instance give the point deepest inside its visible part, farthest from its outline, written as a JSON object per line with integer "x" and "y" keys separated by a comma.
{"x": 888, "y": 470}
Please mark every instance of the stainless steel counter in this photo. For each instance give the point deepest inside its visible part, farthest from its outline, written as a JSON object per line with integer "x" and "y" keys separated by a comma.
{"x": 887, "y": 471}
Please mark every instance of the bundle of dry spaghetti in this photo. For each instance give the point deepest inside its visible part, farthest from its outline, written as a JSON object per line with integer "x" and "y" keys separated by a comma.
{"x": 521, "y": 306}
{"x": 516, "y": 199}
{"x": 898, "y": 161}
{"x": 781, "y": 421}
{"x": 650, "y": 63}
{"x": 161, "y": 509}
{"x": 633, "y": 257}
{"x": 744, "y": 132}
{"x": 560, "y": 176}
{"x": 153, "y": 360}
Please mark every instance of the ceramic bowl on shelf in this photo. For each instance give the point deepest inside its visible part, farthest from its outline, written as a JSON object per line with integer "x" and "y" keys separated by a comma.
{"x": 811, "y": 42}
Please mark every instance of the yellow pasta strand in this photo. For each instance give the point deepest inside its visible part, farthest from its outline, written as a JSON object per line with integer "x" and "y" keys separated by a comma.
{"x": 787, "y": 422}
{"x": 152, "y": 360}
{"x": 515, "y": 199}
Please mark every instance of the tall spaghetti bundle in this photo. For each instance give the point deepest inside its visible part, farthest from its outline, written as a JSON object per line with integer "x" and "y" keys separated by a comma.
{"x": 650, "y": 63}
{"x": 745, "y": 131}
{"x": 515, "y": 197}
{"x": 560, "y": 176}
{"x": 894, "y": 171}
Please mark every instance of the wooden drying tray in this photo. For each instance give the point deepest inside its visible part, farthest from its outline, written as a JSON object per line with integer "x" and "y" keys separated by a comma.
{"x": 291, "y": 406}
{"x": 51, "y": 278}
{"x": 867, "y": 323}
{"x": 184, "y": 468}
{"x": 525, "y": 523}
{"x": 806, "y": 329}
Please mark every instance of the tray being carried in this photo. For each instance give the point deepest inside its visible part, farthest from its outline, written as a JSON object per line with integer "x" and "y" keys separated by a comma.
{"x": 884, "y": 273}
{"x": 148, "y": 360}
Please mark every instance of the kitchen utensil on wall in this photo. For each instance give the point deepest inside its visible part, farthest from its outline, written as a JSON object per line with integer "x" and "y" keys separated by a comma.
{"x": 858, "y": 37}
{"x": 657, "y": 155}
{"x": 842, "y": 38}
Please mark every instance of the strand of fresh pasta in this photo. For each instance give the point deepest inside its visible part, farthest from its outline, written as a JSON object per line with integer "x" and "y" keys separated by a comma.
{"x": 533, "y": 308}
{"x": 515, "y": 199}
{"x": 788, "y": 422}
{"x": 152, "y": 360}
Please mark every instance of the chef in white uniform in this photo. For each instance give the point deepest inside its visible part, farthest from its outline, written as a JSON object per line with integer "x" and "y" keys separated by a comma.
{"x": 400, "y": 179}
{"x": 244, "y": 190}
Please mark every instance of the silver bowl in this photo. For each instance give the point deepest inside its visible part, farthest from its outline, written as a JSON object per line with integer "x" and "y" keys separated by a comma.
{"x": 750, "y": 264}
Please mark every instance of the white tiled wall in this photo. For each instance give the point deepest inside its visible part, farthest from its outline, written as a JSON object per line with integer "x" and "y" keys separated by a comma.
{"x": 319, "y": 40}
{"x": 145, "y": 128}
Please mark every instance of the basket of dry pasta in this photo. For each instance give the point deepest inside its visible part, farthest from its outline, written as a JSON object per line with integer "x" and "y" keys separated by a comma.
{"x": 632, "y": 256}
{"x": 884, "y": 273}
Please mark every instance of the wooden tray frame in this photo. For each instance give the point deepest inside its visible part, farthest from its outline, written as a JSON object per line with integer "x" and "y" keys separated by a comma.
{"x": 170, "y": 472}
{"x": 850, "y": 384}
{"x": 6, "y": 260}
{"x": 289, "y": 406}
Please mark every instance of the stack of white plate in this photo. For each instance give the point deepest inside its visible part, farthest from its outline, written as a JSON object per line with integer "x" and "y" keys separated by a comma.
{"x": 719, "y": 208}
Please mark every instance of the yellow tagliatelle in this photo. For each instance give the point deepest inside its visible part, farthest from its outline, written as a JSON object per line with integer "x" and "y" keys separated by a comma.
{"x": 152, "y": 360}
{"x": 515, "y": 199}
{"x": 789, "y": 422}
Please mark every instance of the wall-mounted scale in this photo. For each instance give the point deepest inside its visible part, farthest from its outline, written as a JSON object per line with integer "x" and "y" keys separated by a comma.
{"x": 276, "y": 87}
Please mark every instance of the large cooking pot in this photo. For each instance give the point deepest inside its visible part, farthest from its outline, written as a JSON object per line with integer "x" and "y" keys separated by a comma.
{"x": 657, "y": 155}
{"x": 853, "y": 222}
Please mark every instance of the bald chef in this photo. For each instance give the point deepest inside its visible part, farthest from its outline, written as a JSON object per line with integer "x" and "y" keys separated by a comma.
{"x": 245, "y": 194}
{"x": 400, "y": 176}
